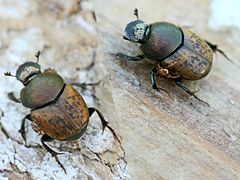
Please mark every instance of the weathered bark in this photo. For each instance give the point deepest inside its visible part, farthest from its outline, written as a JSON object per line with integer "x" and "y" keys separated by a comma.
{"x": 65, "y": 33}
{"x": 163, "y": 137}
{"x": 177, "y": 137}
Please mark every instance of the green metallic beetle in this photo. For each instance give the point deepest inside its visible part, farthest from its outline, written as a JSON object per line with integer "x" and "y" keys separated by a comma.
{"x": 58, "y": 111}
{"x": 178, "y": 52}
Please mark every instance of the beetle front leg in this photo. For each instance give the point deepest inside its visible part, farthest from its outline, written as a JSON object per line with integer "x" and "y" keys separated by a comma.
{"x": 179, "y": 83}
{"x": 12, "y": 97}
{"x": 103, "y": 121}
{"x": 129, "y": 58}
{"x": 46, "y": 138}
{"x": 22, "y": 129}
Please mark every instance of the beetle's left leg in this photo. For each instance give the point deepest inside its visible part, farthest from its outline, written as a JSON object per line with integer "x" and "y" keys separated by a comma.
{"x": 84, "y": 85}
{"x": 22, "y": 129}
{"x": 46, "y": 138}
{"x": 12, "y": 97}
{"x": 129, "y": 58}
{"x": 179, "y": 83}
{"x": 153, "y": 76}
{"x": 215, "y": 48}
{"x": 103, "y": 121}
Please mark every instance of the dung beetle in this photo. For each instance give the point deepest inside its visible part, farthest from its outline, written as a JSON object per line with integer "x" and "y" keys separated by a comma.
{"x": 178, "y": 52}
{"x": 58, "y": 111}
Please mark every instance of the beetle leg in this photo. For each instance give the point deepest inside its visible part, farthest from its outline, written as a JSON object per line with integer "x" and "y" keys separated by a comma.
{"x": 172, "y": 76}
{"x": 12, "y": 97}
{"x": 37, "y": 129}
{"x": 153, "y": 77}
{"x": 129, "y": 58}
{"x": 170, "y": 65}
{"x": 84, "y": 85}
{"x": 178, "y": 82}
{"x": 46, "y": 138}
{"x": 103, "y": 121}
{"x": 215, "y": 48}
{"x": 22, "y": 129}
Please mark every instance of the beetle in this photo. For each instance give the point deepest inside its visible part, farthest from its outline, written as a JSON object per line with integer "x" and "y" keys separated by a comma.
{"x": 57, "y": 110}
{"x": 178, "y": 52}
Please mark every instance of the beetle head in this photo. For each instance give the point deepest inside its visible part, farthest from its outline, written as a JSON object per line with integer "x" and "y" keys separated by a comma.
{"x": 27, "y": 71}
{"x": 136, "y": 31}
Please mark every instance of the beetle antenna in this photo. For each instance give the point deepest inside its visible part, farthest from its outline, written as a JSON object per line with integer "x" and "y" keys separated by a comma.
{"x": 136, "y": 13}
{"x": 9, "y": 74}
{"x": 37, "y": 55}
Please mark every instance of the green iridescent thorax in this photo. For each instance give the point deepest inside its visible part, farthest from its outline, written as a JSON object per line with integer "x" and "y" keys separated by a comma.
{"x": 42, "y": 89}
{"x": 163, "y": 39}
